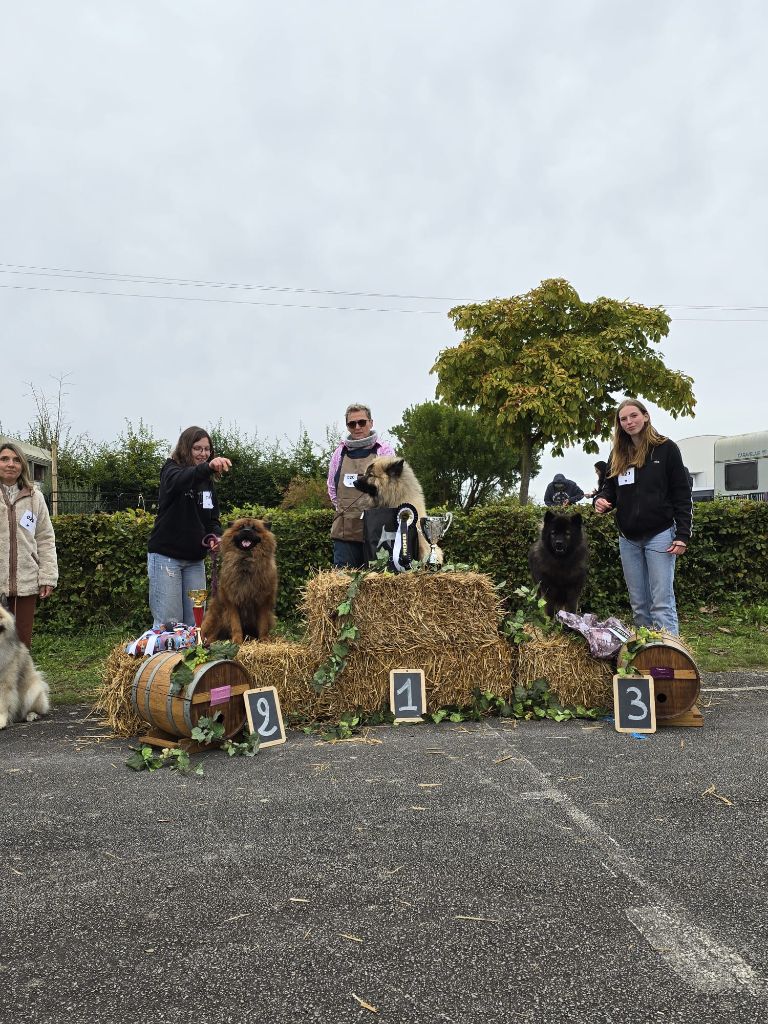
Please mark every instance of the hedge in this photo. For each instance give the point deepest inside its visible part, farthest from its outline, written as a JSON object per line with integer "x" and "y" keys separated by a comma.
{"x": 102, "y": 559}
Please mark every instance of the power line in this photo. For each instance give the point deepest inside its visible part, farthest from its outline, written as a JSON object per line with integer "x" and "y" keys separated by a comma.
{"x": 181, "y": 282}
{"x": 233, "y": 302}
{"x": 141, "y": 279}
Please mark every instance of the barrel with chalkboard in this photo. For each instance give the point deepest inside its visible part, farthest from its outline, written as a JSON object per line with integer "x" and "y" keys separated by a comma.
{"x": 217, "y": 686}
{"x": 675, "y": 674}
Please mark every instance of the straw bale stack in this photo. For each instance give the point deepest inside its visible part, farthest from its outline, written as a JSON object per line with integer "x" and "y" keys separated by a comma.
{"x": 445, "y": 623}
{"x": 574, "y": 676}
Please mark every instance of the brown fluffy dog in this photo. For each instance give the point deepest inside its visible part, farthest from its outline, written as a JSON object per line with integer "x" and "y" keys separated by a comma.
{"x": 244, "y": 604}
{"x": 391, "y": 482}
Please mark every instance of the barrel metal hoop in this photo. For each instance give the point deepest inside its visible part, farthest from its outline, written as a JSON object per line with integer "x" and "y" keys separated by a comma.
{"x": 190, "y": 692}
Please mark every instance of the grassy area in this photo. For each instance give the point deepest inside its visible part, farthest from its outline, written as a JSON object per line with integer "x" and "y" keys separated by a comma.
{"x": 722, "y": 640}
{"x": 73, "y": 664}
{"x": 725, "y": 639}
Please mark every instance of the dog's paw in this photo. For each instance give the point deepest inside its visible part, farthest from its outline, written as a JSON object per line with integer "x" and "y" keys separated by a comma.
{"x": 32, "y": 716}
{"x": 3, "y": 721}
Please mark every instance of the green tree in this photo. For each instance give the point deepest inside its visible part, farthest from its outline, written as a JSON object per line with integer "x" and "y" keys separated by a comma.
{"x": 545, "y": 367}
{"x": 262, "y": 470}
{"x": 130, "y": 465}
{"x": 457, "y": 455}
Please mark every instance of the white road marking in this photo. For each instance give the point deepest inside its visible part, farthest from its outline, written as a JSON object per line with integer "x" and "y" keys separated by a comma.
{"x": 731, "y": 689}
{"x": 694, "y": 955}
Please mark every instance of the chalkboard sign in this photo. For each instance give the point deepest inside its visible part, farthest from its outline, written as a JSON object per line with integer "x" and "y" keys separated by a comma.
{"x": 262, "y": 706}
{"x": 407, "y": 696}
{"x": 634, "y": 704}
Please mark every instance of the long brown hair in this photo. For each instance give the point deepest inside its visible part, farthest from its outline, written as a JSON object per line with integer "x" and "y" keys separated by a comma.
{"x": 182, "y": 453}
{"x": 25, "y": 477}
{"x": 624, "y": 452}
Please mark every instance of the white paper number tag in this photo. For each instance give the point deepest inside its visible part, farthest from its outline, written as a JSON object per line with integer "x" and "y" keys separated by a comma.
{"x": 28, "y": 521}
{"x": 349, "y": 479}
{"x": 207, "y": 499}
{"x": 628, "y": 477}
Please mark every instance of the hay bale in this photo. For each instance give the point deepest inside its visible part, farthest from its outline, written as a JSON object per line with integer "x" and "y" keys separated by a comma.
{"x": 405, "y": 611}
{"x": 445, "y": 623}
{"x": 574, "y": 676}
{"x": 289, "y": 668}
{"x": 113, "y": 698}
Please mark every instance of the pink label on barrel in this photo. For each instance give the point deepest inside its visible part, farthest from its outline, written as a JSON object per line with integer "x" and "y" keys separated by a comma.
{"x": 220, "y": 695}
{"x": 662, "y": 672}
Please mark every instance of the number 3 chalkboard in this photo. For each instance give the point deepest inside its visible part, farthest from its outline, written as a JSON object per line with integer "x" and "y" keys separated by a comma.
{"x": 407, "y": 697}
{"x": 634, "y": 704}
{"x": 262, "y": 706}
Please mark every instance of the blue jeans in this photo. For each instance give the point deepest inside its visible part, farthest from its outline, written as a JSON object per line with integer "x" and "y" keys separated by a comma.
{"x": 348, "y": 554}
{"x": 649, "y": 571}
{"x": 169, "y": 581}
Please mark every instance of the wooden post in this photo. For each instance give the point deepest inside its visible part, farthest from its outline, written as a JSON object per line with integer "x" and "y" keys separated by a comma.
{"x": 54, "y": 478}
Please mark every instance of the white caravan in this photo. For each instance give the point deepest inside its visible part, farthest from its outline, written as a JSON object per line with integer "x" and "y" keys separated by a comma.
{"x": 741, "y": 466}
{"x": 727, "y": 467}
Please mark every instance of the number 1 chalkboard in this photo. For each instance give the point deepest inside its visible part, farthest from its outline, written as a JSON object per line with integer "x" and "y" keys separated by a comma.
{"x": 634, "y": 704}
{"x": 407, "y": 697}
{"x": 262, "y": 706}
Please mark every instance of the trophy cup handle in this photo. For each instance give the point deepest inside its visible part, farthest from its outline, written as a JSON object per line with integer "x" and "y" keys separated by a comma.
{"x": 449, "y": 518}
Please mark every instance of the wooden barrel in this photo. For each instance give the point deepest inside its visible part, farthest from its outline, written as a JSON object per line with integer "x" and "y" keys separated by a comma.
{"x": 216, "y": 687}
{"x": 675, "y": 674}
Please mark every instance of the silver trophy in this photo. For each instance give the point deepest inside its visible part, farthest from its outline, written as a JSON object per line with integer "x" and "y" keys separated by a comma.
{"x": 434, "y": 529}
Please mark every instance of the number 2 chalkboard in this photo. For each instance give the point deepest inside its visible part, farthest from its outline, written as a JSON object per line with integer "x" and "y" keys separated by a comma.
{"x": 407, "y": 697}
{"x": 262, "y": 706}
{"x": 634, "y": 704}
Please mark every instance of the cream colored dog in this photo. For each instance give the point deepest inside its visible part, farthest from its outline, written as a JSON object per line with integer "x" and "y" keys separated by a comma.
{"x": 23, "y": 691}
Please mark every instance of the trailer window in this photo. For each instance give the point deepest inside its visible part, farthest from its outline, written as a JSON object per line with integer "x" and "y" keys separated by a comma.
{"x": 741, "y": 476}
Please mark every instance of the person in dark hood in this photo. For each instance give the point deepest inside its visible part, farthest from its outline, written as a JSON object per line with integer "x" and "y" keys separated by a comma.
{"x": 562, "y": 492}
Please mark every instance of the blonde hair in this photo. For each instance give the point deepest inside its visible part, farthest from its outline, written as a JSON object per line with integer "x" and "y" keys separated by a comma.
{"x": 25, "y": 479}
{"x": 624, "y": 452}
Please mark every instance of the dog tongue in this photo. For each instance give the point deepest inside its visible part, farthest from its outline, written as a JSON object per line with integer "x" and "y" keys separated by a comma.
{"x": 245, "y": 543}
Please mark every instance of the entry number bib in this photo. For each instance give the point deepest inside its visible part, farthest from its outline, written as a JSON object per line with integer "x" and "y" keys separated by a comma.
{"x": 349, "y": 479}
{"x": 628, "y": 477}
{"x": 28, "y": 521}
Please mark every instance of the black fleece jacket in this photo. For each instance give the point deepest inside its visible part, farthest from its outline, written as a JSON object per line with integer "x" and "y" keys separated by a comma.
{"x": 182, "y": 520}
{"x": 659, "y": 498}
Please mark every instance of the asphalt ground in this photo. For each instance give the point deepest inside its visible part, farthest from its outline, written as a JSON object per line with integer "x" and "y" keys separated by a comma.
{"x": 477, "y": 872}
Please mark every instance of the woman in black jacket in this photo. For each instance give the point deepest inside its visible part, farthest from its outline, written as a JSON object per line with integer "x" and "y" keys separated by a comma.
{"x": 187, "y": 512}
{"x": 649, "y": 487}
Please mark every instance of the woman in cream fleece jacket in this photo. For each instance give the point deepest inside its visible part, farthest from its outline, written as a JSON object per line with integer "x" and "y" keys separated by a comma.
{"x": 28, "y": 566}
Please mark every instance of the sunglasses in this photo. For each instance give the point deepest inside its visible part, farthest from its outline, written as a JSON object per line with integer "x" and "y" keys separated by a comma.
{"x": 351, "y": 424}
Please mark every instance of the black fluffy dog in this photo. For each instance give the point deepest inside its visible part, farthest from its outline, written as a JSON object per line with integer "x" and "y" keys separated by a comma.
{"x": 559, "y": 560}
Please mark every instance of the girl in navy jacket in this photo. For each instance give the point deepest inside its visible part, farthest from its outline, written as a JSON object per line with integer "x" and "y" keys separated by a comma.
{"x": 650, "y": 489}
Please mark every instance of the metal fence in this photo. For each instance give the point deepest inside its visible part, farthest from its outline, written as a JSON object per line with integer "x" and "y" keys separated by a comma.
{"x": 80, "y": 502}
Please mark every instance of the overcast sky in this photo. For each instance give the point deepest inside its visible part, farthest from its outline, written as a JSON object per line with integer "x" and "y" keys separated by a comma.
{"x": 439, "y": 151}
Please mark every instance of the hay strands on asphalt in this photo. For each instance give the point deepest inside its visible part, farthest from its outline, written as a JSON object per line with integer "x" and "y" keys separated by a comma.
{"x": 468, "y": 917}
{"x": 718, "y": 796}
{"x": 363, "y": 1003}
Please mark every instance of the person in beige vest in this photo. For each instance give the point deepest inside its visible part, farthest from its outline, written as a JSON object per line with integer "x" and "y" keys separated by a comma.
{"x": 352, "y": 457}
{"x": 28, "y": 565}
